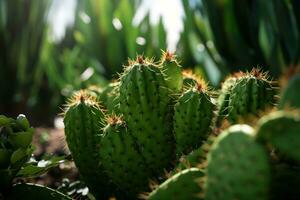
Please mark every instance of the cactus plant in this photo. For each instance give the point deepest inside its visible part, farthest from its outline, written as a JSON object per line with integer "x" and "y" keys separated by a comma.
{"x": 183, "y": 185}
{"x": 192, "y": 118}
{"x": 162, "y": 119}
{"x": 245, "y": 93}
{"x": 238, "y": 166}
{"x": 83, "y": 122}
{"x": 290, "y": 97}
{"x": 121, "y": 158}
{"x": 145, "y": 103}
{"x": 281, "y": 130}
{"x": 171, "y": 70}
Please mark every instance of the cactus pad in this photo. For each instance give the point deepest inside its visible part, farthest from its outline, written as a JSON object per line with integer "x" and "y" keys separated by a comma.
{"x": 238, "y": 167}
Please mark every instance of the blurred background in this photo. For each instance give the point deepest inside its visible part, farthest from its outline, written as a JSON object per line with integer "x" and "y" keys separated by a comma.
{"x": 49, "y": 48}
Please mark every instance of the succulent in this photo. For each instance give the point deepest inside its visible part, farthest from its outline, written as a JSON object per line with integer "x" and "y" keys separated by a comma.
{"x": 290, "y": 97}
{"x": 183, "y": 185}
{"x": 145, "y": 102}
{"x": 83, "y": 128}
{"x": 121, "y": 158}
{"x": 245, "y": 93}
{"x": 281, "y": 130}
{"x": 156, "y": 119}
{"x": 238, "y": 166}
{"x": 192, "y": 118}
{"x": 172, "y": 71}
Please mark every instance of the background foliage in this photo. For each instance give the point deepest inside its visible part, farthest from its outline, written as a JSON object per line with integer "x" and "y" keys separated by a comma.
{"x": 38, "y": 73}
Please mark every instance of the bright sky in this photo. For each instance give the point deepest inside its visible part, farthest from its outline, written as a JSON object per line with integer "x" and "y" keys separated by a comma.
{"x": 62, "y": 15}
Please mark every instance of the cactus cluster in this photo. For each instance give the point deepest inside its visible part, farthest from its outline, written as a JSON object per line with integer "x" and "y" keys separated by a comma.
{"x": 121, "y": 147}
{"x": 157, "y": 119}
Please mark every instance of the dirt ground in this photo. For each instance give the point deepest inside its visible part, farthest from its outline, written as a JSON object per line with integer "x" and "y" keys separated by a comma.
{"x": 48, "y": 142}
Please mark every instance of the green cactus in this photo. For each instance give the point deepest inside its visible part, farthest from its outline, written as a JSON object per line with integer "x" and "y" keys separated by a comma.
{"x": 281, "y": 130}
{"x": 181, "y": 186}
{"x": 243, "y": 94}
{"x": 290, "y": 96}
{"x": 34, "y": 191}
{"x": 83, "y": 122}
{"x": 145, "y": 103}
{"x": 189, "y": 79}
{"x": 172, "y": 71}
{"x": 121, "y": 158}
{"x": 109, "y": 97}
{"x": 197, "y": 157}
{"x": 238, "y": 167}
{"x": 15, "y": 147}
{"x": 192, "y": 119}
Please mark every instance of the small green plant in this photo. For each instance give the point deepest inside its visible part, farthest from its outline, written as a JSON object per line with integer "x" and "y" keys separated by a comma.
{"x": 15, "y": 151}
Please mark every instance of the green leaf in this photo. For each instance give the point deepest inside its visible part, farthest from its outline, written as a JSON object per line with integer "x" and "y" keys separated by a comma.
{"x": 38, "y": 168}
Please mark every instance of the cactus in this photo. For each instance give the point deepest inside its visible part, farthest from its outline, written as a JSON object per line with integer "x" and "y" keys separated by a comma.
{"x": 189, "y": 79}
{"x": 290, "y": 96}
{"x": 281, "y": 130}
{"x": 145, "y": 103}
{"x": 109, "y": 97}
{"x": 238, "y": 167}
{"x": 245, "y": 93}
{"x": 83, "y": 122}
{"x": 171, "y": 70}
{"x": 183, "y": 185}
{"x": 192, "y": 119}
{"x": 15, "y": 147}
{"x": 121, "y": 158}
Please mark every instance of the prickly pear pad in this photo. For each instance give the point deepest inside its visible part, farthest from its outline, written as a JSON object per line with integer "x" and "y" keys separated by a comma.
{"x": 183, "y": 185}
{"x": 145, "y": 102}
{"x": 238, "y": 167}
{"x": 282, "y": 130}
